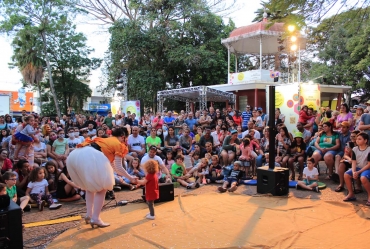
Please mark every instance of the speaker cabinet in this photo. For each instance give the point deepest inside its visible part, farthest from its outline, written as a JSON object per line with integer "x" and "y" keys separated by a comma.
{"x": 11, "y": 227}
{"x": 166, "y": 192}
{"x": 275, "y": 182}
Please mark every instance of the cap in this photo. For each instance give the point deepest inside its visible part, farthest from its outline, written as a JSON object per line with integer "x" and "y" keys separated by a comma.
{"x": 259, "y": 109}
{"x": 233, "y": 132}
{"x": 238, "y": 162}
{"x": 153, "y": 147}
{"x": 355, "y": 106}
{"x": 298, "y": 134}
{"x": 368, "y": 102}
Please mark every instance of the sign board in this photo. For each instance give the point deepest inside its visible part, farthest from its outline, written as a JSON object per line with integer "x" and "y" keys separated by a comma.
{"x": 252, "y": 76}
{"x": 131, "y": 106}
{"x": 20, "y": 100}
{"x": 289, "y": 98}
{"x": 4, "y": 104}
{"x": 310, "y": 95}
{"x": 99, "y": 107}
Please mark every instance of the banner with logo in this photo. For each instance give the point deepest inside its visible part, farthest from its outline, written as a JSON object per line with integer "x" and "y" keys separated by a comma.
{"x": 131, "y": 106}
{"x": 252, "y": 76}
{"x": 310, "y": 95}
{"x": 20, "y": 100}
{"x": 286, "y": 99}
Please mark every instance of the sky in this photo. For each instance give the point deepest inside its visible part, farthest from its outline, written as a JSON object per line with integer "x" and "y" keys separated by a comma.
{"x": 10, "y": 80}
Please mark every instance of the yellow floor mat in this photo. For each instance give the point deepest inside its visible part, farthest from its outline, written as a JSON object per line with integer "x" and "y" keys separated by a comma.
{"x": 51, "y": 222}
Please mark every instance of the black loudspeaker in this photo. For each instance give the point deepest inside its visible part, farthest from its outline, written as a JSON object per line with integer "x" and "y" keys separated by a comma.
{"x": 274, "y": 181}
{"x": 11, "y": 227}
{"x": 166, "y": 192}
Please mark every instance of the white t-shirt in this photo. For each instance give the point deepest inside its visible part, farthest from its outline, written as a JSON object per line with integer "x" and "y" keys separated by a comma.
{"x": 156, "y": 158}
{"x": 39, "y": 147}
{"x": 311, "y": 173}
{"x": 136, "y": 142}
{"x": 257, "y": 134}
{"x": 72, "y": 143}
{"x": 216, "y": 142}
{"x": 38, "y": 187}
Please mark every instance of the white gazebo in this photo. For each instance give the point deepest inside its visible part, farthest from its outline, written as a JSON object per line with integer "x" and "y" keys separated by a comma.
{"x": 260, "y": 38}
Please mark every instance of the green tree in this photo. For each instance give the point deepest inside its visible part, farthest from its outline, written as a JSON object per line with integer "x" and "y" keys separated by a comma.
{"x": 341, "y": 50}
{"x": 27, "y": 57}
{"x": 70, "y": 64}
{"x": 39, "y": 14}
{"x": 172, "y": 45}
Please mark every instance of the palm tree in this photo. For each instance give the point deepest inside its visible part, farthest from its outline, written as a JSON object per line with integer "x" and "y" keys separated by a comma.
{"x": 27, "y": 57}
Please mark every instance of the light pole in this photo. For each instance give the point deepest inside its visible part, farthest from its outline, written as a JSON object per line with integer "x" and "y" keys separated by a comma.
{"x": 31, "y": 103}
{"x": 121, "y": 84}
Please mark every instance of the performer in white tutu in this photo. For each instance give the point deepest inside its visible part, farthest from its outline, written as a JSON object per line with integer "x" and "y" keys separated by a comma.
{"x": 91, "y": 168}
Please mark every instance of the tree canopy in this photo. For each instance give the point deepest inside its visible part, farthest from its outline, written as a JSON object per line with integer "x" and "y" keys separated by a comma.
{"x": 176, "y": 44}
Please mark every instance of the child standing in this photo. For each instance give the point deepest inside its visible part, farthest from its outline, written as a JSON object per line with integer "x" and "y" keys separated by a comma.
{"x": 60, "y": 149}
{"x": 233, "y": 179}
{"x": 310, "y": 177}
{"x": 10, "y": 179}
{"x": 37, "y": 189}
{"x": 246, "y": 155}
{"x": 151, "y": 186}
{"x": 25, "y": 137}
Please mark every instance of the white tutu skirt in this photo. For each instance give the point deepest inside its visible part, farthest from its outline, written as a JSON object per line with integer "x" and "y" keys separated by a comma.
{"x": 90, "y": 169}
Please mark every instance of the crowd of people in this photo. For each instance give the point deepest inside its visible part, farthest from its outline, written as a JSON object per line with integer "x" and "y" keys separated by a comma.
{"x": 222, "y": 146}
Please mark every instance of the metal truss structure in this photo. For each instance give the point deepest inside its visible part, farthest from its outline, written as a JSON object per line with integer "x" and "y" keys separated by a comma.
{"x": 200, "y": 94}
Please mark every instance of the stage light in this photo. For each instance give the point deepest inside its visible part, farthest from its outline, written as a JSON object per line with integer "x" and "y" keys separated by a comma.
{"x": 293, "y": 47}
{"x": 291, "y": 28}
{"x": 293, "y": 38}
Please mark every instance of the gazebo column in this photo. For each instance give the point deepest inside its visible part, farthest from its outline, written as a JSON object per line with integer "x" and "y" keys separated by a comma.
{"x": 203, "y": 98}
{"x": 187, "y": 106}
{"x": 261, "y": 54}
{"x": 228, "y": 64}
{"x": 192, "y": 107}
{"x": 160, "y": 100}
{"x": 339, "y": 102}
{"x": 236, "y": 63}
{"x": 255, "y": 97}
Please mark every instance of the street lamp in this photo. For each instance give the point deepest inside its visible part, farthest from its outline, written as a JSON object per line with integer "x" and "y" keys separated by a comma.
{"x": 294, "y": 47}
{"x": 121, "y": 84}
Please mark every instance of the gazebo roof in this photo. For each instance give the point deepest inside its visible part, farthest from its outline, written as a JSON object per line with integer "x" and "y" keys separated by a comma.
{"x": 246, "y": 39}
{"x": 257, "y": 28}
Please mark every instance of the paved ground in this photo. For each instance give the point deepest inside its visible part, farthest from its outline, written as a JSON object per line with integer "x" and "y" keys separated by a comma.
{"x": 39, "y": 237}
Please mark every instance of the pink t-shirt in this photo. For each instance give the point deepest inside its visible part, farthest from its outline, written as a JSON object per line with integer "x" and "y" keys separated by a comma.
{"x": 246, "y": 152}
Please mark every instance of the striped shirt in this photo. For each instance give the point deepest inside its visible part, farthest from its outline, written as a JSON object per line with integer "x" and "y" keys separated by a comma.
{"x": 246, "y": 116}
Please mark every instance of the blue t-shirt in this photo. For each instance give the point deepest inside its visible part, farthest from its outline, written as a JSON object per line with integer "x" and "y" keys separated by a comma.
{"x": 191, "y": 123}
{"x": 168, "y": 120}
